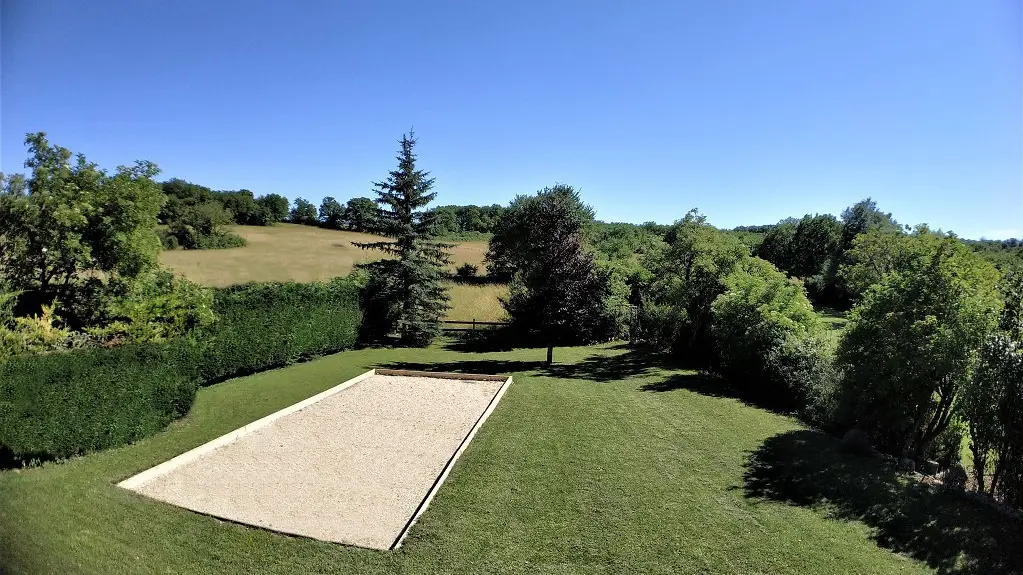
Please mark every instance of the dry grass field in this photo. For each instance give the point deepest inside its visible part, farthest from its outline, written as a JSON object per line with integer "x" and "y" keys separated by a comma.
{"x": 291, "y": 252}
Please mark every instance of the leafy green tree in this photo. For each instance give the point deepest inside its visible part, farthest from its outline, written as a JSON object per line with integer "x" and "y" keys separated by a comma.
{"x": 331, "y": 215}
{"x": 275, "y": 206}
{"x": 993, "y": 401}
{"x": 556, "y": 294}
{"x": 516, "y": 230}
{"x": 76, "y": 224}
{"x": 304, "y": 212}
{"x": 912, "y": 342}
{"x": 181, "y": 195}
{"x": 244, "y": 208}
{"x": 768, "y": 338}
{"x": 361, "y": 215}
{"x": 862, "y": 217}
{"x": 411, "y": 282}
{"x": 201, "y": 226}
{"x": 689, "y": 274}
{"x": 447, "y": 220}
{"x": 777, "y": 246}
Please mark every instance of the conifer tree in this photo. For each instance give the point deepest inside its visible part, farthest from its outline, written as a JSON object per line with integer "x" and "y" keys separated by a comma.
{"x": 408, "y": 285}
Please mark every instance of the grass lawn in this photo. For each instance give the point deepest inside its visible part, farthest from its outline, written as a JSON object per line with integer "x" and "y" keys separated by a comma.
{"x": 292, "y": 252}
{"x": 608, "y": 462}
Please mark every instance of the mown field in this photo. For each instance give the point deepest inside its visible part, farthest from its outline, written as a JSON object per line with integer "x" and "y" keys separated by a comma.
{"x": 608, "y": 462}
{"x": 284, "y": 252}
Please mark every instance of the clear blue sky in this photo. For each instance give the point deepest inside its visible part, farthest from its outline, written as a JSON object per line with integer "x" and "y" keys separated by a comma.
{"x": 750, "y": 110}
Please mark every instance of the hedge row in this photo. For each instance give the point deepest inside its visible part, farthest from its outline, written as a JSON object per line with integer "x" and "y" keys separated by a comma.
{"x": 64, "y": 404}
{"x": 262, "y": 326}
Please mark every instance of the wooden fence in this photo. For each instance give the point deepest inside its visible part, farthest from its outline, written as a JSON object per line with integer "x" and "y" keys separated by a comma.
{"x": 473, "y": 325}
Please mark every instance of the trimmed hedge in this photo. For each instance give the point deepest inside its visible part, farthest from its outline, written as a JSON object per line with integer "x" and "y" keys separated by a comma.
{"x": 64, "y": 404}
{"x": 268, "y": 325}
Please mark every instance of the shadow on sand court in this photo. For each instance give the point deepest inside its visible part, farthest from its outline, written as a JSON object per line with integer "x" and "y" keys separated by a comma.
{"x": 945, "y": 529}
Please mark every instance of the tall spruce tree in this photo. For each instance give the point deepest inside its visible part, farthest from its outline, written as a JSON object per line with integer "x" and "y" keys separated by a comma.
{"x": 408, "y": 287}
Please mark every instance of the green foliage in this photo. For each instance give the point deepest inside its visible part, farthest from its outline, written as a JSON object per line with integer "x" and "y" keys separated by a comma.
{"x": 200, "y": 227}
{"x": 244, "y": 208}
{"x": 911, "y": 344}
{"x": 61, "y": 404}
{"x": 303, "y": 212}
{"x": 64, "y": 404}
{"x": 29, "y": 335}
{"x": 275, "y": 205}
{"x": 516, "y": 230}
{"x": 156, "y": 307}
{"x": 332, "y": 214}
{"x": 260, "y": 326}
{"x": 557, "y": 295}
{"x": 411, "y": 282}
{"x": 361, "y": 215}
{"x": 180, "y": 196}
{"x": 687, "y": 276}
{"x": 467, "y": 271}
{"x": 993, "y": 402}
{"x": 862, "y": 217}
{"x": 769, "y": 341}
{"x": 623, "y": 241}
{"x": 875, "y": 254}
{"x": 76, "y": 222}
{"x": 466, "y": 221}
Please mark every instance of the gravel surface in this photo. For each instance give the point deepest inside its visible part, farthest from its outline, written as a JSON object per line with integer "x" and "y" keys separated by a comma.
{"x": 351, "y": 468}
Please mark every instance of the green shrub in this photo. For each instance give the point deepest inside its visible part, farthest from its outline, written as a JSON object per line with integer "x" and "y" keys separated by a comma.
{"x": 267, "y": 325}
{"x": 158, "y": 305}
{"x": 467, "y": 271}
{"x": 769, "y": 341}
{"x": 63, "y": 404}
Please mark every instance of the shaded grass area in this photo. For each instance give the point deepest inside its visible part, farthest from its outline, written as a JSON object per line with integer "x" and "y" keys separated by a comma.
{"x": 942, "y": 528}
{"x": 581, "y": 469}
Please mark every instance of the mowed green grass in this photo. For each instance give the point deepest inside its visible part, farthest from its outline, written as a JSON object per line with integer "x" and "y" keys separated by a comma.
{"x": 604, "y": 463}
{"x": 291, "y": 252}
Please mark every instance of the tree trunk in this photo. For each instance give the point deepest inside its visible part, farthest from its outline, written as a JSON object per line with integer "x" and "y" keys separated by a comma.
{"x": 550, "y": 354}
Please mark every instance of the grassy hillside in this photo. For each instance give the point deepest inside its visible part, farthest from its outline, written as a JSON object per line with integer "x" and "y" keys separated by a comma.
{"x": 286, "y": 252}
{"x": 608, "y": 462}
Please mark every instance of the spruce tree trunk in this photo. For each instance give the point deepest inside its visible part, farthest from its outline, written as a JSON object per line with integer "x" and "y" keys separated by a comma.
{"x": 550, "y": 354}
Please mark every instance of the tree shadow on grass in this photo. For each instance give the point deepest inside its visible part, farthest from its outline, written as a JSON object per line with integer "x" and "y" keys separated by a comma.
{"x": 598, "y": 367}
{"x": 713, "y": 385}
{"x": 482, "y": 366}
{"x": 947, "y": 530}
{"x": 604, "y": 368}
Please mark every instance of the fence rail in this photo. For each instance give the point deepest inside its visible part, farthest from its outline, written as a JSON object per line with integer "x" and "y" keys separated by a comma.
{"x": 473, "y": 325}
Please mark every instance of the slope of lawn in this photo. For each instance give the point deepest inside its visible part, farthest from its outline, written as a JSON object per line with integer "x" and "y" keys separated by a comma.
{"x": 607, "y": 462}
{"x": 292, "y": 252}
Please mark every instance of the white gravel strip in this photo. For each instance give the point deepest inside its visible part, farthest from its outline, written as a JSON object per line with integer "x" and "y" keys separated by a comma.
{"x": 350, "y": 468}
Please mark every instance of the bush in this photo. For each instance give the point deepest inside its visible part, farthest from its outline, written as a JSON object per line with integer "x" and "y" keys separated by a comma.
{"x": 769, "y": 341}
{"x": 267, "y": 325}
{"x": 155, "y": 307}
{"x": 63, "y": 404}
{"x": 467, "y": 271}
